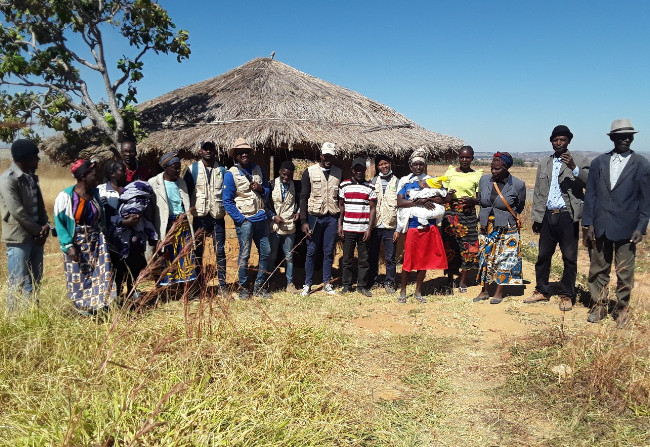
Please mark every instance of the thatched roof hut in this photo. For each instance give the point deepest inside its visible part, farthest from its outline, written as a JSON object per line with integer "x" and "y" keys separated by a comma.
{"x": 280, "y": 111}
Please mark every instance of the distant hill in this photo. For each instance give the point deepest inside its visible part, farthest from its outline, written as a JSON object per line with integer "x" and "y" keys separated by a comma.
{"x": 535, "y": 156}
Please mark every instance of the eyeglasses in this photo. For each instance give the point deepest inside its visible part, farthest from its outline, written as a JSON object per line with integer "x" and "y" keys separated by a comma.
{"x": 622, "y": 136}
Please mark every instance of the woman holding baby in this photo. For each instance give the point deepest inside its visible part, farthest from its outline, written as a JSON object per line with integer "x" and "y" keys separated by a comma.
{"x": 423, "y": 247}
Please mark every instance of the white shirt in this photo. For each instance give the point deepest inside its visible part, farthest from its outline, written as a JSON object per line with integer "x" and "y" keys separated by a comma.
{"x": 616, "y": 165}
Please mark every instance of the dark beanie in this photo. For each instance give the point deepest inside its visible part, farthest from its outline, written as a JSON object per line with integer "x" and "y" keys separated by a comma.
{"x": 561, "y": 131}
{"x": 23, "y": 149}
{"x": 287, "y": 164}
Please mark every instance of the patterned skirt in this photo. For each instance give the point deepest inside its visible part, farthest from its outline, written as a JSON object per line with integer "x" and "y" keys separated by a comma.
{"x": 500, "y": 256}
{"x": 424, "y": 250}
{"x": 90, "y": 281}
{"x": 179, "y": 259}
{"x": 460, "y": 235}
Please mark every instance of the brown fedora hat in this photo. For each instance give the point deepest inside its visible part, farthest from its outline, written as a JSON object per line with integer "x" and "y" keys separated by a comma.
{"x": 240, "y": 143}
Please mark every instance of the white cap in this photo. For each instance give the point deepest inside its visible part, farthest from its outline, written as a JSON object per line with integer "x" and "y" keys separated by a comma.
{"x": 328, "y": 148}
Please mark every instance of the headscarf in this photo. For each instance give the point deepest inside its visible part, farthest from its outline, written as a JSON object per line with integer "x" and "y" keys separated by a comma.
{"x": 169, "y": 159}
{"x": 81, "y": 167}
{"x": 418, "y": 155}
{"x": 503, "y": 157}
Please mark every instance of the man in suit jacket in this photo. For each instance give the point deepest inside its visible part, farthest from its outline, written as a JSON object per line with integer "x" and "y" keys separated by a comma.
{"x": 557, "y": 208}
{"x": 615, "y": 218}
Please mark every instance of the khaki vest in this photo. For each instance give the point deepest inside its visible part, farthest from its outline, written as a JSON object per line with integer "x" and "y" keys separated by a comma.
{"x": 386, "y": 214}
{"x": 324, "y": 197}
{"x": 284, "y": 209}
{"x": 208, "y": 197}
{"x": 248, "y": 202}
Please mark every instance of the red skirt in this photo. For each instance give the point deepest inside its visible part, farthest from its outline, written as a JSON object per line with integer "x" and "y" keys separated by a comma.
{"x": 424, "y": 250}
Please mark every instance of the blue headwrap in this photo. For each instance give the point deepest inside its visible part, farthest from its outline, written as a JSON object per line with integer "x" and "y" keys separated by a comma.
{"x": 505, "y": 158}
{"x": 168, "y": 159}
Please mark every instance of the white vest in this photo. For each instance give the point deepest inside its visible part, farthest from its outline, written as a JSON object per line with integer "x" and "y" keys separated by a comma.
{"x": 248, "y": 202}
{"x": 324, "y": 197}
{"x": 207, "y": 197}
{"x": 284, "y": 209}
{"x": 386, "y": 203}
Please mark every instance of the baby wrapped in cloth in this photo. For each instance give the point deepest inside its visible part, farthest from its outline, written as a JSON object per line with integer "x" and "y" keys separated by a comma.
{"x": 432, "y": 187}
{"x": 135, "y": 199}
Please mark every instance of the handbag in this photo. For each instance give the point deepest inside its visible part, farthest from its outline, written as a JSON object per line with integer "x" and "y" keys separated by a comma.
{"x": 517, "y": 219}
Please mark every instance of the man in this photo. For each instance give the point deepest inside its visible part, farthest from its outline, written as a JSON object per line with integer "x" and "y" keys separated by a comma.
{"x": 385, "y": 185}
{"x": 245, "y": 190}
{"x": 204, "y": 180}
{"x": 556, "y": 213}
{"x": 615, "y": 218}
{"x": 319, "y": 214}
{"x": 25, "y": 226}
{"x": 357, "y": 201}
{"x": 134, "y": 170}
{"x": 282, "y": 211}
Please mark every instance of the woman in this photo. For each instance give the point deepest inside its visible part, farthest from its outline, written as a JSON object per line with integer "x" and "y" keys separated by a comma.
{"x": 130, "y": 262}
{"x": 423, "y": 247}
{"x": 460, "y": 224}
{"x": 79, "y": 222}
{"x": 502, "y": 198}
{"x": 172, "y": 205}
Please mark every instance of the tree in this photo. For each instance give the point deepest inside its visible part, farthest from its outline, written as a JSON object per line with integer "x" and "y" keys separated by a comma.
{"x": 52, "y": 49}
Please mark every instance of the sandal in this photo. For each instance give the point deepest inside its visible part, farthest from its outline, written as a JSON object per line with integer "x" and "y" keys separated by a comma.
{"x": 462, "y": 290}
{"x": 421, "y": 299}
{"x": 401, "y": 299}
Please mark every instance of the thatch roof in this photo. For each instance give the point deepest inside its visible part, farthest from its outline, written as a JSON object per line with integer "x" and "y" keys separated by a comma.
{"x": 276, "y": 107}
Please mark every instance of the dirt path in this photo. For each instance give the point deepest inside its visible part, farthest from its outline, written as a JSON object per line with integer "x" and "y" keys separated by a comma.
{"x": 480, "y": 338}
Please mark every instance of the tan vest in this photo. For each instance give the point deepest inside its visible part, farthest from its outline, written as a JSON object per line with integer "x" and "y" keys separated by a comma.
{"x": 248, "y": 202}
{"x": 208, "y": 196}
{"x": 324, "y": 197}
{"x": 386, "y": 214}
{"x": 284, "y": 209}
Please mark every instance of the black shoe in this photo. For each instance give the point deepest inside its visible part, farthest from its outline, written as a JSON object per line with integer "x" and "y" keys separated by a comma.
{"x": 364, "y": 292}
{"x": 345, "y": 289}
{"x": 261, "y": 292}
{"x": 390, "y": 290}
{"x": 243, "y": 294}
{"x": 598, "y": 313}
{"x": 622, "y": 317}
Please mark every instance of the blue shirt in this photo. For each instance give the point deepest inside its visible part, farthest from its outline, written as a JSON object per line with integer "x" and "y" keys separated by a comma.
{"x": 555, "y": 200}
{"x": 174, "y": 200}
{"x": 230, "y": 191}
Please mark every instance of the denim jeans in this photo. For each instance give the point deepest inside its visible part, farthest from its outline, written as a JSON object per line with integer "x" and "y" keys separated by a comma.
{"x": 286, "y": 241}
{"x": 378, "y": 236}
{"x": 257, "y": 232}
{"x": 216, "y": 228}
{"x": 323, "y": 235}
{"x": 25, "y": 266}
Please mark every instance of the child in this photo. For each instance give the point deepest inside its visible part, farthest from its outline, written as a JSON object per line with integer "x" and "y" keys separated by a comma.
{"x": 424, "y": 189}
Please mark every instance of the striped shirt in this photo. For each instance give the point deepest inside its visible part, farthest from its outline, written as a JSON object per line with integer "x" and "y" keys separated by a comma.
{"x": 356, "y": 198}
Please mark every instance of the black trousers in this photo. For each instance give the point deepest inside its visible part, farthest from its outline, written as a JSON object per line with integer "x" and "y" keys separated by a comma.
{"x": 350, "y": 241}
{"x": 378, "y": 236}
{"x": 558, "y": 229}
{"x": 127, "y": 269}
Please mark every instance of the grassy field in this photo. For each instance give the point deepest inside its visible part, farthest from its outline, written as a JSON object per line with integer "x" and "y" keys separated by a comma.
{"x": 322, "y": 371}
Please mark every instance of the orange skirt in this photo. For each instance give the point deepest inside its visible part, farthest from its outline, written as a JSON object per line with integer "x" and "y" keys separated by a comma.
{"x": 424, "y": 250}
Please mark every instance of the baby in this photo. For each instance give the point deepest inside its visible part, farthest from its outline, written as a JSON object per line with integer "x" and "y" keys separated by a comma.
{"x": 432, "y": 187}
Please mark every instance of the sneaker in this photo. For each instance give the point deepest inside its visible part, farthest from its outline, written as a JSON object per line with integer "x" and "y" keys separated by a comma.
{"x": 243, "y": 294}
{"x": 291, "y": 289}
{"x": 598, "y": 313}
{"x": 346, "y": 289}
{"x": 329, "y": 289}
{"x": 364, "y": 292}
{"x": 390, "y": 290}
{"x": 536, "y": 297}
{"x": 261, "y": 292}
{"x": 305, "y": 290}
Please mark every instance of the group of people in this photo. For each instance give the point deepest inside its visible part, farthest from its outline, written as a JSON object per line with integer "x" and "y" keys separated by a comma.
{"x": 107, "y": 229}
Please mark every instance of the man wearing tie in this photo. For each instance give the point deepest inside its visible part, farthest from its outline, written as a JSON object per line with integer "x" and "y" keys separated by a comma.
{"x": 615, "y": 218}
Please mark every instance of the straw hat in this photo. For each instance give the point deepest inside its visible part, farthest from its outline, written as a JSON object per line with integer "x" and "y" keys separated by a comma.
{"x": 240, "y": 143}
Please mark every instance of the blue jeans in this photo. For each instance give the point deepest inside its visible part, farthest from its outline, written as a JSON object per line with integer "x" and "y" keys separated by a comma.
{"x": 25, "y": 266}
{"x": 257, "y": 232}
{"x": 323, "y": 235}
{"x": 287, "y": 241}
{"x": 217, "y": 229}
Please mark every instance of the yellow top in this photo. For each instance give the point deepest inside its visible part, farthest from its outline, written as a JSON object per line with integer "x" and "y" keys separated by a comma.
{"x": 465, "y": 183}
{"x": 436, "y": 182}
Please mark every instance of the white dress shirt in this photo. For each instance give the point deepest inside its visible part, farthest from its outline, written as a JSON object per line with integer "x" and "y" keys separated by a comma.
{"x": 616, "y": 166}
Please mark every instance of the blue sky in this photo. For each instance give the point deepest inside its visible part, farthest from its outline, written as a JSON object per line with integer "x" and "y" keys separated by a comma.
{"x": 498, "y": 74}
